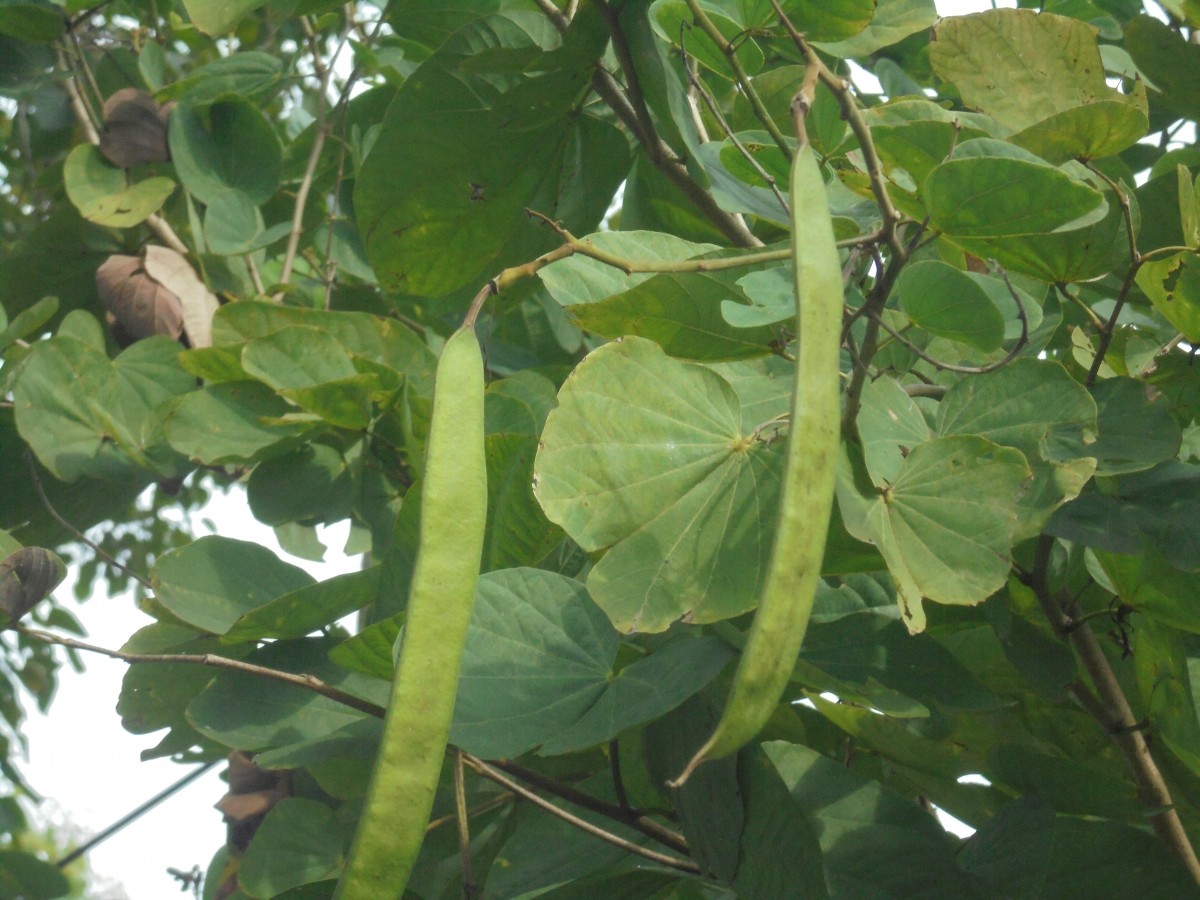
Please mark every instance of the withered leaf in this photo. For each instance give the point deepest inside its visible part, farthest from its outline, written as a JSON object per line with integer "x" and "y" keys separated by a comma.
{"x": 199, "y": 304}
{"x": 134, "y": 129}
{"x": 139, "y": 304}
{"x": 26, "y": 577}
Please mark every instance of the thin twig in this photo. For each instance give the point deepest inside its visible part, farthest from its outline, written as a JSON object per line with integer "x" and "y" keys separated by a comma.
{"x": 492, "y": 774}
{"x": 1135, "y": 263}
{"x": 858, "y": 125}
{"x": 1112, "y": 711}
{"x": 614, "y": 766}
{"x": 83, "y": 117}
{"x": 78, "y": 535}
{"x": 970, "y": 370}
{"x": 631, "y": 818}
{"x": 584, "y": 247}
{"x": 320, "y": 126}
{"x": 689, "y": 66}
{"x": 747, "y": 86}
{"x": 626, "y": 106}
{"x": 307, "y": 682}
{"x": 469, "y": 887}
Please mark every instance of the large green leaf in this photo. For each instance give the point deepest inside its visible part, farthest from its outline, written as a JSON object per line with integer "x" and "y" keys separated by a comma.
{"x": 83, "y": 414}
{"x": 1173, "y": 285}
{"x": 893, "y": 21}
{"x": 312, "y": 483}
{"x": 1038, "y": 408}
{"x": 991, "y": 189}
{"x": 214, "y": 581}
{"x": 102, "y": 193}
{"x": 873, "y": 842}
{"x": 235, "y": 151}
{"x": 24, "y": 875}
{"x": 945, "y": 524}
{"x": 538, "y": 655}
{"x": 296, "y": 844}
{"x": 233, "y": 422}
{"x": 1040, "y": 75}
{"x": 1136, "y": 429}
{"x": 218, "y": 17}
{"x": 439, "y": 200}
{"x": 948, "y": 303}
{"x": 252, "y": 713}
{"x": 645, "y": 690}
{"x": 1169, "y": 61}
{"x": 306, "y": 609}
{"x": 1010, "y": 855}
{"x": 683, "y": 313}
{"x": 666, "y": 479}
{"x": 581, "y": 279}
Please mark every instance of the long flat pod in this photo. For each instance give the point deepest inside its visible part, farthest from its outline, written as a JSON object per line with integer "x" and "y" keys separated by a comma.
{"x": 453, "y": 513}
{"x": 808, "y": 482}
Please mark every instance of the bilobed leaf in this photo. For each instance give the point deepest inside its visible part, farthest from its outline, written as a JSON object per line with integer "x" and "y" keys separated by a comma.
{"x": 1040, "y": 75}
{"x": 890, "y": 426}
{"x": 311, "y": 483}
{"x": 231, "y": 422}
{"x": 84, "y": 414}
{"x": 440, "y": 199}
{"x": 538, "y": 654}
{"x": 663, "y": 477}
{"x": 645, "y": 690}
{"x": 991, "y": 189}
{"x": 871, "y": 839}
{"x": 253, "y": 713}
{"x": 580, "y": 279}
{"x": 296, "y": 844}
{"x": 212, "y": 582}
{"x": 1136, "y": 430}
{"x": 1173, "y": 285}
{"x": 834, "y": 21}
{"x": 306, "y": 609}
{"x": 102, "y": 195}
{"x": 218, "y": 17}
{"x": 682, "y": 313}
{"x": 948, "y": 303}
{"x": 945, "y": 524}
{"x": 236, "y": 150}
{"x": 894, "y": 20}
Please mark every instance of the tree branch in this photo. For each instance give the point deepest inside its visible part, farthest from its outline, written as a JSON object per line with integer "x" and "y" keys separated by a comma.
{"x": 308, "y": 682}
{"x": 492, "y": 774}
{"x": 1112, "y": 711}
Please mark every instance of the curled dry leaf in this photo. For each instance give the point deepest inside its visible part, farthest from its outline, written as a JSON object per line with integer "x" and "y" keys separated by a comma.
{"x": 25, "y": 578}
{"x": 174, "y": 272}
{"x": 134, "y": 129}
{"x": 137, "y": 304}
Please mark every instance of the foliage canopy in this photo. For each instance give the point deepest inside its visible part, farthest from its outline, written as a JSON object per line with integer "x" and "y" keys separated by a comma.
{"x": 235, "y": 236}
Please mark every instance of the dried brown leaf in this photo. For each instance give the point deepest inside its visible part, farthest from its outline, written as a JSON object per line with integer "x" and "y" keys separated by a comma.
{"x": 199, "y": 304}
{"x": 134, "y": 129}
{"x": 138, "y": 303}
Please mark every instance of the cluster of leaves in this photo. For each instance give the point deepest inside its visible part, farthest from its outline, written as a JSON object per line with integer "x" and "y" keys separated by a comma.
{"x": 297, "y": 200}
